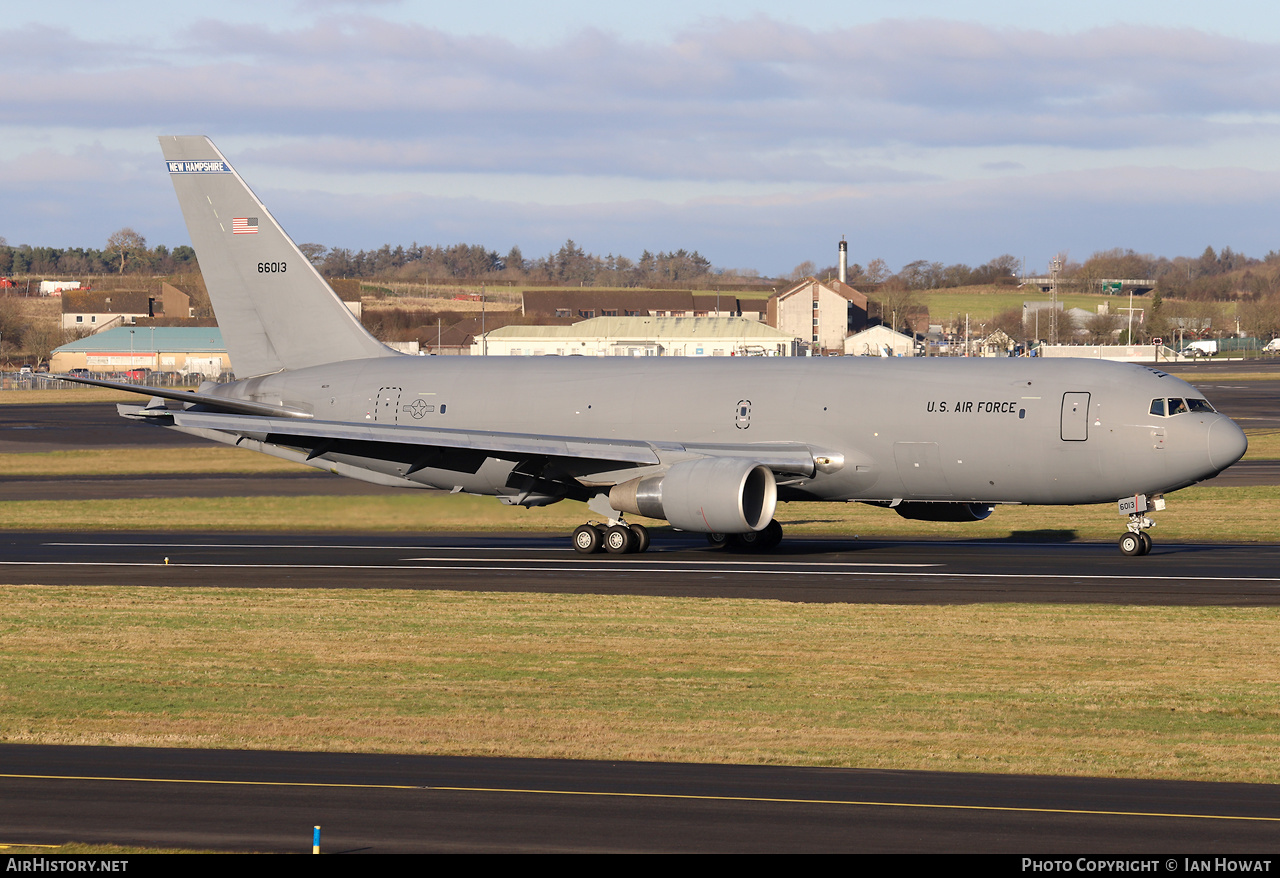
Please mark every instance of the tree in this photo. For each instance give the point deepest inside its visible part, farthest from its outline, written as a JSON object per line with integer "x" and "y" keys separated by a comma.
{"x": 877, "y": 271}
{"x": 313, "y": 252}
{"x": 1101, "y": 328}
{"x": 126, "y": 244}
{"x": 803, "y": 270}
{"x": 40, "y": 339}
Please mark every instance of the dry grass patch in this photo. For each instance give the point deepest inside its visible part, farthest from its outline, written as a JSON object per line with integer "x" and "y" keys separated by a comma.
{"x": 1263, "y": 445}
{"x": 144, "y": 461}
{"x": 1185, "y": 692}
{"x": 1195, "y": 514}
{"x": 1191, "y": 374}
{"x": 51, "y": 397}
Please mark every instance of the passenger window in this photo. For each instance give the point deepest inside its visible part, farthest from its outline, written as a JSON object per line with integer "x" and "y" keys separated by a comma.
{"x": 1157, "y": 407}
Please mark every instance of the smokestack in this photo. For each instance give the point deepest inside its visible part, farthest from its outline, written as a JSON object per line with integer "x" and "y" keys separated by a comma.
{"x": 844, "y": 260}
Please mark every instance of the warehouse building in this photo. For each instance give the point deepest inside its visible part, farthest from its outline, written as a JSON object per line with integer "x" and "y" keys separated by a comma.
{"x": 187, "y": 350}
{"x": 641, "y": 337}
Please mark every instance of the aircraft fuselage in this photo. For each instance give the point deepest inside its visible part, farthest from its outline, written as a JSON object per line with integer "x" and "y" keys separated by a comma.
{"x": 974, "y": 430}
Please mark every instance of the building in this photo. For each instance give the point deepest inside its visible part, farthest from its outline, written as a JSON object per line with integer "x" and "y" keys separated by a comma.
{"x": 98, "y": 310}
{"x": 879, "y": 341}
{"x": 585, "y": 304}
{"x": 640, "y": 337}
{"x": 184, "y": 349}
{"x": 821, "y": 313}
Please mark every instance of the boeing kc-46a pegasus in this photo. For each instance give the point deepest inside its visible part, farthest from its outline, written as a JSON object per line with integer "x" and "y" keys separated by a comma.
{"x": 709, "y": 445}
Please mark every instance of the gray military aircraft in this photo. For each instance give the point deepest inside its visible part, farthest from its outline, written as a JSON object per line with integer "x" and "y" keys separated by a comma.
{"x": 710, "y": 445}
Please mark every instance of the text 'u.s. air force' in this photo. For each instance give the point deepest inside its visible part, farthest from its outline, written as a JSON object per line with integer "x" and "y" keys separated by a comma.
{"x": 971, "y": 406}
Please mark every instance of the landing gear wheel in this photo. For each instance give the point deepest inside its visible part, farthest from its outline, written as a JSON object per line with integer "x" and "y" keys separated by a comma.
{"x": 719, "y": 541}
{"x": 1131, "y": 544}
{"x": 1146, "y": 542}
{"x": 642, "y": 537}
{"x": 770, "y": 537}
{"x": 619, "y": 540}
{"x": 587, "y": 539}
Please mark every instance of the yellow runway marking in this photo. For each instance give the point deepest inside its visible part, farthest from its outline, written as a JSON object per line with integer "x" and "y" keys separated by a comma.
{"x": 634, "y": 795}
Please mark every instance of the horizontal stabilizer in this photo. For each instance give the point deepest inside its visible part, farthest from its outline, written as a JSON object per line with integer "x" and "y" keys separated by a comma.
{"x": 222, "y": 403}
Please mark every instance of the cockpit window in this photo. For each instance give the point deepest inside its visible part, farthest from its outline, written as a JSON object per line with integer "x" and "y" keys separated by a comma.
{"x": 1164, "y": 408}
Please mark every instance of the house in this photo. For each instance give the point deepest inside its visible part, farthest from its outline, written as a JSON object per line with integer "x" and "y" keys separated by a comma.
{"x": 821, "y": 313}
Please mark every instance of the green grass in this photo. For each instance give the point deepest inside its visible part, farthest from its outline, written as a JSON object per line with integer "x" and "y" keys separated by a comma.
{"x": 982, "y": 303}
{"x": 1180, "y": 692}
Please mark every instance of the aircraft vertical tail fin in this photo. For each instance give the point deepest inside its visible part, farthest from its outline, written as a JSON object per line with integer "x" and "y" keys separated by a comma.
{"x": 275, "y": 310}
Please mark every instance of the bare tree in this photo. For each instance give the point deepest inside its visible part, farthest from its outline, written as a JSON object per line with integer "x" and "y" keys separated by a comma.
{"x": 803, "y": 270}
{"x": 1101, "y": 328}
{"x": 126, "y": 244}
{"x": 313, "y": 252}
{"x": 40, "y": 338}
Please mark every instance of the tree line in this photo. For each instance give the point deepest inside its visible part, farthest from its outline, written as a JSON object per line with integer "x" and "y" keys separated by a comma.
{"x": 126, "y": 252}
{"x": 568, "y": 265}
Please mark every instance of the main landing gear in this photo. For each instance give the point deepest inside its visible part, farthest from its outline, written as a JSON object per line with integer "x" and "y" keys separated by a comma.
{"x": 755, "y": 541}
{"x": 618, "y": 539}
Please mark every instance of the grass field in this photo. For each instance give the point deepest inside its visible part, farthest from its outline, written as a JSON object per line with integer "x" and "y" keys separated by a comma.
{"x": 50, "y": 397}
{"x": 1077, "y": 690}
{"x": 1199, "y": 514}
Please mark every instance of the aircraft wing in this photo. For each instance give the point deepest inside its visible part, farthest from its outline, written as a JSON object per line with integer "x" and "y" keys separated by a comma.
{"x": 411, "y": 444}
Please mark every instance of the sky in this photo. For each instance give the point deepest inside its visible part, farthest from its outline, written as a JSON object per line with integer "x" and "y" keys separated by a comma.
{"x": 952, "y": 132}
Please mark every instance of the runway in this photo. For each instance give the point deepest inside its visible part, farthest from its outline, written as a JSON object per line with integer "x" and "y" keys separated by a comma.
{"x": 364, "y": 803}
{"x": 807, "y": 570}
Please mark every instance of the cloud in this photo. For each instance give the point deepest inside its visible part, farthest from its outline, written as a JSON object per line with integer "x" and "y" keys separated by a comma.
{"x": 755, "y": 99}
{"x": 923, "y": 138}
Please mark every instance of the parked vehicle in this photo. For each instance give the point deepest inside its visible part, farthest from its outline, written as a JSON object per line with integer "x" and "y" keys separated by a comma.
{"x": 1198, "y": 349}
{"x": 1273, "y": 346}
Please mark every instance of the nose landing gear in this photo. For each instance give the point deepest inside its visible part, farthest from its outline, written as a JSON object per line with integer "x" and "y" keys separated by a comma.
{"x": 1137, "y": 541}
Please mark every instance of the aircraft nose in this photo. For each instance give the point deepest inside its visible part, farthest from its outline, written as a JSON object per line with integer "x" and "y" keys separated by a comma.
{"x": 1227, "y": 443}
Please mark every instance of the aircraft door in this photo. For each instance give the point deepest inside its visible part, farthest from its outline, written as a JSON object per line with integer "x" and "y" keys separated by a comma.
{"x": 386, "y": 408}
{"x": 1075, "y": 417}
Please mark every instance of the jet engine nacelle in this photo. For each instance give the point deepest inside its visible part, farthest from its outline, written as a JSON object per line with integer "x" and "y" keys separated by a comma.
{"x": 710, "y": 495}
{"x": 944, "y": 511}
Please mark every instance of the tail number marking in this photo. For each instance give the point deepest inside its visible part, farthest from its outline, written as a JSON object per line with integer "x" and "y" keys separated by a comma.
{"x": 271, "y": 267}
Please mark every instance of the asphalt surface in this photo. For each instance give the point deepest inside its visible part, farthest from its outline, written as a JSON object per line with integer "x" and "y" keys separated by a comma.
{"x": 804, "y": 570}
{"x": 365, "y": 803}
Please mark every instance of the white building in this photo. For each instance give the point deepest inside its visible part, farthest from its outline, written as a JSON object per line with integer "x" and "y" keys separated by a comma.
{"x": 879, "y": 341}
{"x": 640, "y": 337}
